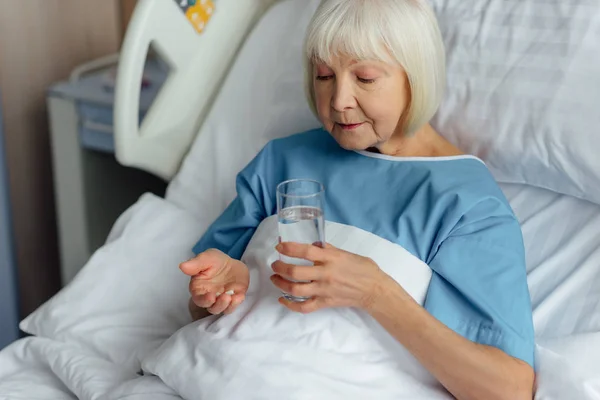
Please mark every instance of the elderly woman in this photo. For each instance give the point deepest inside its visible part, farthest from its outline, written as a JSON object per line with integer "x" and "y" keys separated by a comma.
{"x": 375, "y": 75}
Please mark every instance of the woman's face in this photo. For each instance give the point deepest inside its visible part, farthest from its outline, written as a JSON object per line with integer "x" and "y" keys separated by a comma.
{"x": 361, "y": 103}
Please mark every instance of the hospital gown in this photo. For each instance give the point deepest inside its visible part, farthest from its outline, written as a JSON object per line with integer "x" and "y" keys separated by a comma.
{"x": 447, "y": 211}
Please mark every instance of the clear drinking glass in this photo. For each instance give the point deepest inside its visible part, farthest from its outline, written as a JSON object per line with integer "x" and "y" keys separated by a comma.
{"x": 300, "y": 216}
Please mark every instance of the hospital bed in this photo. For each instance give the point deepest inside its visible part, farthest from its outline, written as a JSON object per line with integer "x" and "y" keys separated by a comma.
{"x": 523, "y": 83}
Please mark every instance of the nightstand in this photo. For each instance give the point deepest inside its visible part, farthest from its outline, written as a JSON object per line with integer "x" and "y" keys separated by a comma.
{"x": 91, "y": 188}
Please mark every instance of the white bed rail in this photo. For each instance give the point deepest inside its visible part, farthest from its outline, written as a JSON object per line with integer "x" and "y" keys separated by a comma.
{"x": 198, "y": 63}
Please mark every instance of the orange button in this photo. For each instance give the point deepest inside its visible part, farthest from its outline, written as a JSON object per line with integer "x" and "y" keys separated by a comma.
{"x": 200, "y": 14}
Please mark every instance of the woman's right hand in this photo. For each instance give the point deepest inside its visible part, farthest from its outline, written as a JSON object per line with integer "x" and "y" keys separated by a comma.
{"x": 218, "y": 282}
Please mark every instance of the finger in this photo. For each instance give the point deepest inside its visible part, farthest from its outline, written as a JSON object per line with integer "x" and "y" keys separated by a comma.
{"x": 236, "y": 300}
{"x": 199, "y": 286}
{"x": 296, "y": 273}
{"x": 235, "y": 287}
{"x": 205, "y": 301}
{"x": 223, "y": 301}
{"x": 297, "y": 289}
{"x": 304, "y": 307}
{"x": 303, "y": 251}
{"x": 204, "y": 293}
{"x": 202, "y": 262}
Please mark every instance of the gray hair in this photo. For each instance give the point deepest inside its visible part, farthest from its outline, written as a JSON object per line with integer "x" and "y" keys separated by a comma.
{"x": 403, "y": 32}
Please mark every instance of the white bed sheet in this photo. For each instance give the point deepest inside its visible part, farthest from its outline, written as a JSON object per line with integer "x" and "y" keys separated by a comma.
{"x": 562, "y": 241}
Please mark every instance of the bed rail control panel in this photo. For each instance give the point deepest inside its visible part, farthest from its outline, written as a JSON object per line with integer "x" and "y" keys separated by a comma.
{"x": 198, "y": 12}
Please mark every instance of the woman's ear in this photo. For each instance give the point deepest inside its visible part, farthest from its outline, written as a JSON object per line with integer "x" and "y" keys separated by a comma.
{"x": 403, "y": 124}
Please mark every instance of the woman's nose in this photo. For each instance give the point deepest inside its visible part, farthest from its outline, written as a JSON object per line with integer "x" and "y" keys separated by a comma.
{"x": 343, "y": 97}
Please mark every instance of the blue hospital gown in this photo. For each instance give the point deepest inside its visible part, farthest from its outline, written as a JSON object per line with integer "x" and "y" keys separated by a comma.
{"x": 447, "y": 211}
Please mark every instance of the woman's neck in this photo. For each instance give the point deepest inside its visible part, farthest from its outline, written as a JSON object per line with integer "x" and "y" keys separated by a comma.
{"x": 426, "y": 142}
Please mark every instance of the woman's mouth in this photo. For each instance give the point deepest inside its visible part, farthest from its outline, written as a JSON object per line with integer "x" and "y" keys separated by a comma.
{"x": 349, "y": 127}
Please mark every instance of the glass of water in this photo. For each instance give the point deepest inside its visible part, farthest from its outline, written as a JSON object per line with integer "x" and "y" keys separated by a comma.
{"x": 300, "y": 216}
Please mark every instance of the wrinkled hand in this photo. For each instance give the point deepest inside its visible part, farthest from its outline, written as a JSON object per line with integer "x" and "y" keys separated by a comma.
{"x": 218, "y": 282}
{"x": 337, "y": 279}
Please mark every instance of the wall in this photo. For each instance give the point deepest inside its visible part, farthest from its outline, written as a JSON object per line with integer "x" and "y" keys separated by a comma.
{"x": 40, "y": 43}
{"x": 127, "y": 7}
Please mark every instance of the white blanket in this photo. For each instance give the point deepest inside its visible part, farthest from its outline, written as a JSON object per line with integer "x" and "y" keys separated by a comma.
{"x": 264, "y": 351}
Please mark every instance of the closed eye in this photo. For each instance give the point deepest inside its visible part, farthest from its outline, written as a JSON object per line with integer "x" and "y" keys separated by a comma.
{"x": 324, "y": 77}
{"x": 366, "y": 80}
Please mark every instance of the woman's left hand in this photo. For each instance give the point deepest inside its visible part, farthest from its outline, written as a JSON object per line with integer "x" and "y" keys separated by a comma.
{"x": 337, "y": 279}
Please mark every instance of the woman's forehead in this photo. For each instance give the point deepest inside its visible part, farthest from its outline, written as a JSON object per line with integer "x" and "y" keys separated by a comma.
{"x": 347, "y": 54}
{"x": 346, "y": 61}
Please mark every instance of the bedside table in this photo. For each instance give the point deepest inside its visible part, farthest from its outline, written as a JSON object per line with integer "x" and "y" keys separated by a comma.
{"x": 91, "y": 188}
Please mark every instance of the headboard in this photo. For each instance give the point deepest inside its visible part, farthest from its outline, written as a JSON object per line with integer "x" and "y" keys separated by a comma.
{"x": 198, "y": 63}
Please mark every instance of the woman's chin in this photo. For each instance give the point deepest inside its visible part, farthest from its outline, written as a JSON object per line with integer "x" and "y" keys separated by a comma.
{"x": 350, "y": 141}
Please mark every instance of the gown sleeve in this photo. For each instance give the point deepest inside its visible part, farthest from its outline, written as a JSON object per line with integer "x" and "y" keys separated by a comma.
{"x": 232, "y": 230}
{"x": 479, "y": 285}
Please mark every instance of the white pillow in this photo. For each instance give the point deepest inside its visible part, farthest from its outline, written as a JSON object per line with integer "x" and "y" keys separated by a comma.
{"x": 40, "y": 368}
{"x": 131, "y": 295}
{"x": 524, "y": 89}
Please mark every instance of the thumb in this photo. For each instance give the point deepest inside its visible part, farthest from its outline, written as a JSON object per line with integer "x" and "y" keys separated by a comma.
{"x": 203, "y": 262}
{"x": 193, "y": 267}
